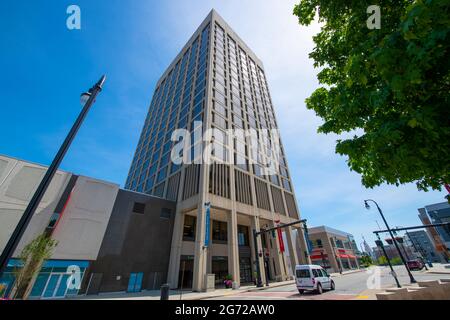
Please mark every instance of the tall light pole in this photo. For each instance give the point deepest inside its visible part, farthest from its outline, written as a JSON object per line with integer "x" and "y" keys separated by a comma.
{"x": 392, "y": 237}
{"x": 87, "y": 99}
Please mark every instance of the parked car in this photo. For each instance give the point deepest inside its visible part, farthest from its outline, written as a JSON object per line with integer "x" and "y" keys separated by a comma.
{"x": 415, "y": 264}
{"x": 312, "y": 278}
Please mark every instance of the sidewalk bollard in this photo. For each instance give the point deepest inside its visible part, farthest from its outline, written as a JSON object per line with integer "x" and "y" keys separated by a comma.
{"x": 165, "y": 292}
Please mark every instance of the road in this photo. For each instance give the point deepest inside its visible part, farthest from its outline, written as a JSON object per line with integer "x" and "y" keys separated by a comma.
{"x": 348, "y": 286}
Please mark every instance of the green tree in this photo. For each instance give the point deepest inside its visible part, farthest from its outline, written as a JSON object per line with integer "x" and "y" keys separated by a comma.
{"x": 389, "y": 87}
{"x": 396, "y": 261}
{"x": 32, "y": 257}
{"x": 382, "y": 261}
{"x": 366, "y": 260}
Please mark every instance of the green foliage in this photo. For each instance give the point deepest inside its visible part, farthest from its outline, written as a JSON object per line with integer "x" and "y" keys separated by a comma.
{"x": 396, "y": 261}
{"x": 366, "y": 261}
{"x": 382, "y": 261}
{"x": 32, "y": 258}
{"x": 391, "y": 86}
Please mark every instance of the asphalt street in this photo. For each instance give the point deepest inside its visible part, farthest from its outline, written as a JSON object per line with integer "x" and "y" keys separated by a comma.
{"x": 348, "y": 286}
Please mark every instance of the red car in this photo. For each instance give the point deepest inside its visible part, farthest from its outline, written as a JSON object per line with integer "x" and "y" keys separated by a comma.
{"x": 415, "y": 265}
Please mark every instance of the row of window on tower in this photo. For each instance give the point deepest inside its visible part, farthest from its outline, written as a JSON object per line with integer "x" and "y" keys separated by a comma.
{"x": 177, "y": 103}
{"x": 219, "y": 231}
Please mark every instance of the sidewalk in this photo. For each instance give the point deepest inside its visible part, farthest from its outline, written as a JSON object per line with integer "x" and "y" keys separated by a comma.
{"x": 190, "y": 295}
{"x": 177, "y": 294}
{"x": 439, "y": 268}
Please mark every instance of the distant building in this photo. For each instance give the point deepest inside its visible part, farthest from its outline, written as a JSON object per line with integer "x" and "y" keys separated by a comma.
{"x": 333, "y": 249}
{"x": 438, "y": 213}
{"x": 407, "y": 250}
{"x": 422, "y": 244}
{"x": 368, "y": 249}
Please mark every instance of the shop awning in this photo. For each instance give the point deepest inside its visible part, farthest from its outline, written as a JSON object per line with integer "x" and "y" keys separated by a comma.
{"x": 318, "y": 256}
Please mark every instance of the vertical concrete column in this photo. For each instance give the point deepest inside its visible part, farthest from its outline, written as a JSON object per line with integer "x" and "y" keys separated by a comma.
{"x": 291, "y": 246}
{"x": 177, "y": 237}
{"x": 200, "y": 252}
{"x": 259, "y": 259}
{"x": 233, "y": 247}
{"x": 232, "y": 226}
{"x": 339, "y": 260}
{"x": 175, "y": 251}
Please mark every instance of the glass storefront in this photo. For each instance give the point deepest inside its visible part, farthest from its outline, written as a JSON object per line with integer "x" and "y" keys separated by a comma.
{"x": 53, "y": 281}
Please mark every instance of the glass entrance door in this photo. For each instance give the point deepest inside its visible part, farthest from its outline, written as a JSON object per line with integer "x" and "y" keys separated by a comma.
{"x": 56, "y": 286}
{"x": 135, "y": 282}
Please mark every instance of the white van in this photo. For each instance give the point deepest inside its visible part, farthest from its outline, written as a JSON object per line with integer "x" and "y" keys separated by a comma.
{"x": 312, "y": 277}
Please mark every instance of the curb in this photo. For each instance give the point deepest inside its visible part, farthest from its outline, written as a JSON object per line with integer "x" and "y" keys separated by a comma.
{"x": 438, "y": 272}
{"x": 274, "y": 285}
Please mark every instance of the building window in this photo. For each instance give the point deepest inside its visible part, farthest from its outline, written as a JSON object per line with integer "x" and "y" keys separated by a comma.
{"x": 139, "y": 207}
{"x": 165, "y": 213}
{"x": 317, "y": 243}
{"x": 189, "y": 228}
{"x": 219, "y": 231}
{"x": 243, "y": 236}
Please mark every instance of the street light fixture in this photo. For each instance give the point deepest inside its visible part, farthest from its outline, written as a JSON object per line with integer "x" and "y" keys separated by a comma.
{"x": 87, "y": 99}
{"x": 84, "y": 97}
{"x": 366, "y": 203}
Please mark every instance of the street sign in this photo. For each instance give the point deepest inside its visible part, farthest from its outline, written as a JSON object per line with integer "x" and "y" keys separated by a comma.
{"x": 207, "y": 223}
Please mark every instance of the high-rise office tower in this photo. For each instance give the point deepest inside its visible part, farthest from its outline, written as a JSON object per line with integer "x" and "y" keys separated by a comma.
{"x": 234, "y": 169}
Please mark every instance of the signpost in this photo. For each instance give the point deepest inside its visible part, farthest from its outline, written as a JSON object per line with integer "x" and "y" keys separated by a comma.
{"x": 260, "y": 254}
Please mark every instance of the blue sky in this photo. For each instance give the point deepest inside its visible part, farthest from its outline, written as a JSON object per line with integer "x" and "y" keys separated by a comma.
{"x": 44, "y": 68}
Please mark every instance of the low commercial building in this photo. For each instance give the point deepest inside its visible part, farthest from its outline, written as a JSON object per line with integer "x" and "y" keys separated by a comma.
{"x": 333, "y": 249}
{"x": 116, "y": 239}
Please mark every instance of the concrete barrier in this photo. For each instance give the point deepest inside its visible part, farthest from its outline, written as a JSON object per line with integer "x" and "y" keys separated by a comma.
{"x": 425, "y": 290}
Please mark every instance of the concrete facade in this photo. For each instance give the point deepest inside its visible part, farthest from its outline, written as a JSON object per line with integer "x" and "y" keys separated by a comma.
{"x": 18, "y": 181}
{"x": 96, "y": 228}
{"x": 133, "y": 243}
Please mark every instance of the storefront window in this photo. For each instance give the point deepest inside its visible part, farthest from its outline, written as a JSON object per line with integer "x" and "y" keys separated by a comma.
{"x": 189, "y": 228}
{"x": 243, "y": 236}
{"x": 219, "y": 231}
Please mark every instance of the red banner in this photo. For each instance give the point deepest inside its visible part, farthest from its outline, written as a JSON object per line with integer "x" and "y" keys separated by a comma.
{"x": 280, "y": 239}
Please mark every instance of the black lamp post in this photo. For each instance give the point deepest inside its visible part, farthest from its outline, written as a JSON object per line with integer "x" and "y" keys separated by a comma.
{"x": 87, "y": 99}
{"x": 392, "y": 237}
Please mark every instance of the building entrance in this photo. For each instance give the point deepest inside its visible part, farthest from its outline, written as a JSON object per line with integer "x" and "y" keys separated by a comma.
{"x": 186, "y": 272}
{"x": 220, "y": 268}
{"x": 245, "y": 268}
